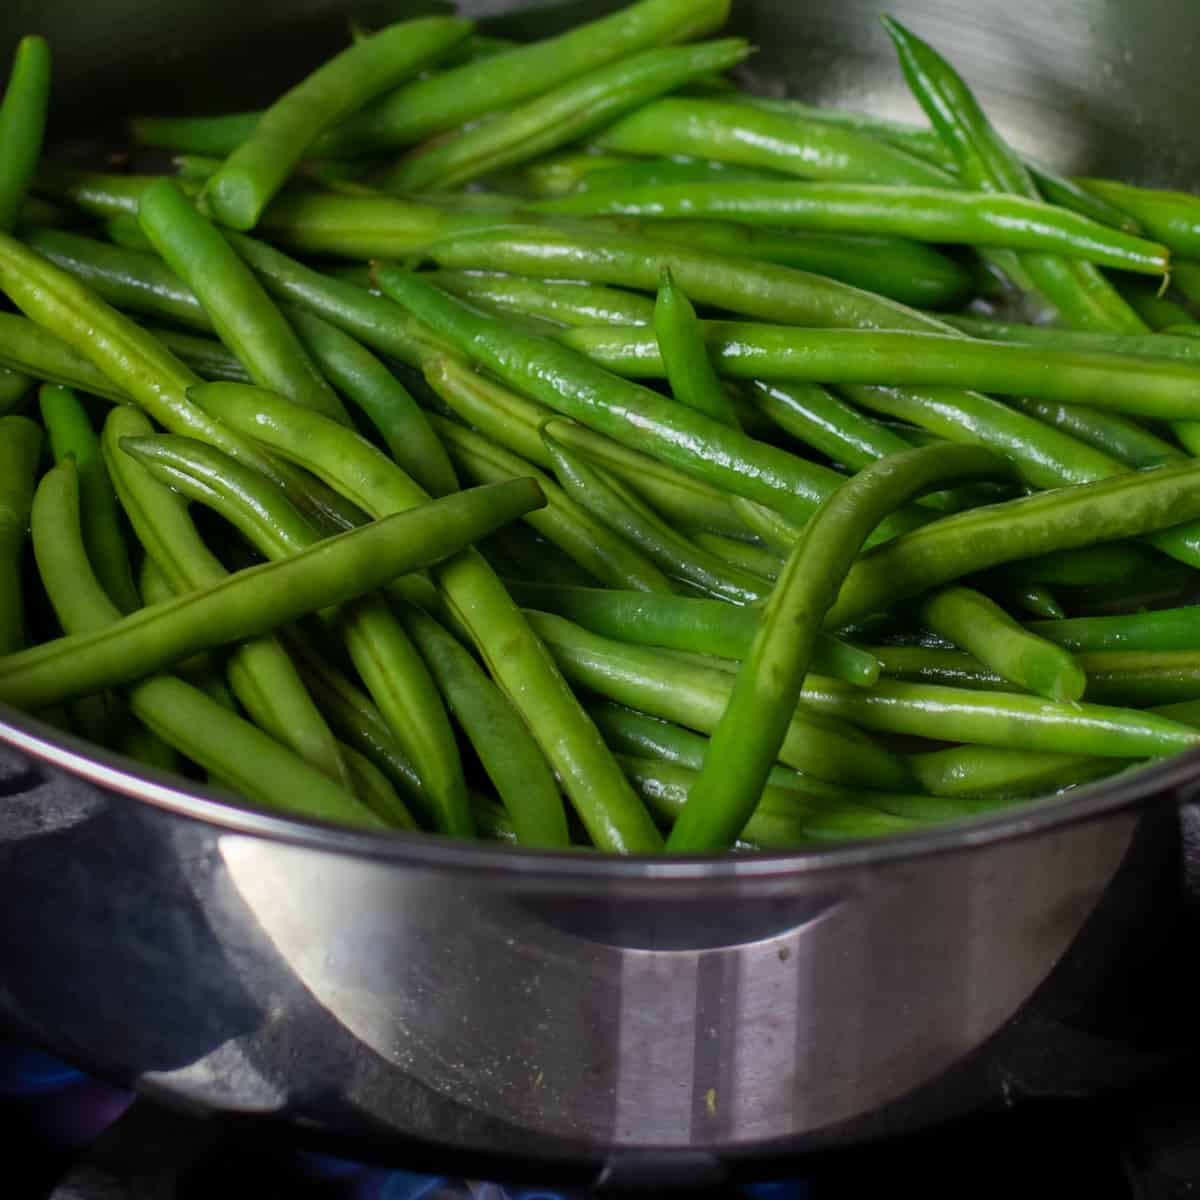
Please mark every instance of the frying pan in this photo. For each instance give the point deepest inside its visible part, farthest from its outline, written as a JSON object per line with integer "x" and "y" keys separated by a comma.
{"x": 629, "y": 1020}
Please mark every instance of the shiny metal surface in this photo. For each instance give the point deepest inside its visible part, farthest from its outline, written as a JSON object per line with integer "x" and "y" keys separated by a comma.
{"x": 575, "y": 1007}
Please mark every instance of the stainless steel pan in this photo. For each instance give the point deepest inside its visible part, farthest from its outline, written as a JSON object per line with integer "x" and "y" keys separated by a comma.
{"x": 607, "y": 1016}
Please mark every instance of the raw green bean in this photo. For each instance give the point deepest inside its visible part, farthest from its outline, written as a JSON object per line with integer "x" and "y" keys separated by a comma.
{"x": 627, "y": 516}
{"x": 610, "y": 173}
{"x": 262, "y": 676}
{"x": 387, "y": 403}
{"x": 242, "y": 313}
{"x": 923, "y": 214}
{"x": 506, "y": 748}
{"x": 1094, "y": 566}
{"x": 1036, "y": 599}
{"x": 613, "y": 816}
{"x": 755, "y": 720}
{"x": 258, "y": 599}
{"x": 515, "y": 423}
{"x": 206, "y": 356}
{"x": 20, "y": 448}
{"x": 984, "y": 629}
{"x": 1172, "y": 218}
{"x": 1164, "y": 630}
{"x": 973, "y": 772}
{"x": 564, "y": 303}
{"x": 22, "y": 125}
{"x": 343, "y": 84}
{"x": 634, "y": 416}
{"x": 70, "y": 433}
{"x": 14, "y": 388}
{"x": 1156, "y": 311}
{"x": 776, "y": 531}
{"x": 564, "y": 522}
{"x": 181, "y": 715}
{"x": 683, "y": 623}
{"x": 695, "y": 696}
{"x": 375, "y": 790}
{"x": 562, "y": 115}
{"x": 731, "y": 133}
{"x": 1111, "y": 510}
{"x": 450, "y": 98}
{"x": 139, "y": 368}
{"x": 760, "y": 560}
{"x": 751, "y": 350}
{"x": 684, "y": 352}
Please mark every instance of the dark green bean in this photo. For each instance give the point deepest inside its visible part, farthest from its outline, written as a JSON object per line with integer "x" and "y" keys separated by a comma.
{"x": 1164, "y": 630}
{"x": 923, "y": 214}
{"x": 761, "y": 560}
{"x": 1156, "y": 311}
{"x": 14, "y": 388}
{"x": 562, "y": 115}
{"x": 70, "y": 433}
{"x": 343, "y": 84}
{"x": 206, "y": 356}
{"x": 1173, "y": 218}
{"x": 20, "y": 448}
{"x": 387, "y": 403}
{"x": 375, "y": 790}
{"x": 22, "y": 125}
{"x": 519, "y": 663}
{"x": 695, "y": 696}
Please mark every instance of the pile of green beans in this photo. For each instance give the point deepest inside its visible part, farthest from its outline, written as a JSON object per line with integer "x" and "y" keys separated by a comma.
{"x": 552, "y": 443}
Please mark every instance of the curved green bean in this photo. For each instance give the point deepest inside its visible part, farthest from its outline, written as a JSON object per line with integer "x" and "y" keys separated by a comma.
{"x": 20, "y": 448}
{"x": 22, "y": 125}
{"x": 1173, "y": 218}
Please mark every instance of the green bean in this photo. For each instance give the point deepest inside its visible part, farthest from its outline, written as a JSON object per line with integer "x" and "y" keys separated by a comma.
{"x": 262, "y": 676}
{"x": 14, "y": 387}
{"x": 564, "y": 303}
{"x": 387, "y": 403}
{"x": 1034, "y": 598}
{"x": 1094, "y": 566}
{"x": 1164, "y": 630}
{"x": 984, "y": 629}
{"x": 343, "y": 84}
{"x": 243, "y": 315}
{"x": 922, "y": 214}
{"x": 562, "y": 115}
{"x": 206, "y": 356}
{"x": 564, "y": 521}
{"x": 1172, "y": 218}
{"x": 20, "y": 447}
{"x": 611, "y": 173}
{"x": 634, "y": 416}
{"x": 1156, "y": 311}
{"x": 22, "y": 124}
{"x": 181, "y": 715}
{"x": 139, "y": 368}
{"x": 70, "y": 432}
{"x": 943, "y": 668}
{"x": 131, "y": 280}
{"x": 761, "y": 560}
{"x": 695, "y": 696}
{"x": 506, "y": 748}
{"x": 776, "y": 531}
{"x": 754, "y": 723}
{"x": 973, "y": 772}
{"x": 683, "y": 623}
{"x": 258, "y": 599}
{"x": 1077, "y": 289}
{"x": 517, "y": 660}
{"x": 515, "y": 423}
{"x": 684, "y": 353}
{"x": 1111, "y": 510}
{"x": 451, "y": 98}
{"x": 1186, "y": 277}
{"x": 731, "y": 133}
{"x": 750, "y": 350}
{"x": 624, "y": 514}
{"x": 375, "y": 790}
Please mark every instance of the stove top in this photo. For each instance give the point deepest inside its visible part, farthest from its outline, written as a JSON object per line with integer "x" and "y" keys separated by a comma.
{"x": 74, "y": 1138}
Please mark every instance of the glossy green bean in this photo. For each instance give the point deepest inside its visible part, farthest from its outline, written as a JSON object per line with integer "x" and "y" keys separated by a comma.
{"x": 204, "y": 355}
{"x": 730, "y": 132}
{"x": 341, "y": 86}
{"x": 755, "y": 720}
{"x": 695, "y": 696}
{"x": 622, "y": 512}
{"x": 260, "y": 672}
{"x": 1111, "y": 510}
{"x": 1173, "y": 218}
{"x": 634, "y": 416}
{"x": 385, "y": 401}
{"x": 759, "y": 559}
{"x": 750, "y": 350}
{"x": 563, "y": 303}
{"x": 564, "y": 522}
{"x": 685, "y": 356}
{"x": 1094, "y": 566}
{"x": 925, "y": 214}
{"x": 982, "y": 628}
{"x": 1157, "y": 311}
{"x": 14, "y": 388}
{"x": 1162, "y": 630}
{"x": 683, "y": 623}
{"x": 258, "y": 599}
{"x": 70, "y": 432}
{"x": 228, "y": 746}
{"x": 373, "y": 788}
{"x": 138, "y": 367}
{"x": 610, "y": 173}
{"x": 561, "y": 115}
{"x": 20, "y": 448}
{"x": 242, "y": 313}
{"x": 978, "y": 772}
{"x": 515, "y": 423}
{"x": 613, "y": 816}
{"x": 22, "y": 124}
